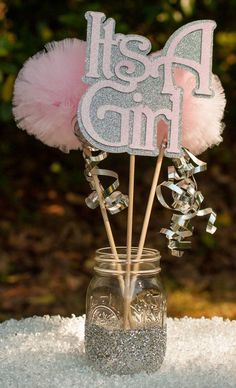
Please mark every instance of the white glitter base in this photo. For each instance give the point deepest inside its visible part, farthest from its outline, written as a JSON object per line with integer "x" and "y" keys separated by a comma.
{"x": 49, "y": 352}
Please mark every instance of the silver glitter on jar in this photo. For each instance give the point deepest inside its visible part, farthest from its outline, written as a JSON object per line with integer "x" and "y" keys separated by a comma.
{"x": 117, "y": 341}
{"x": 125, "y": 351}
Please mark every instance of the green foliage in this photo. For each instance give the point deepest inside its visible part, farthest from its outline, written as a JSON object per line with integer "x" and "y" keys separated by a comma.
{"x": 47, "y": 235}
{"x": 25, "y": 26}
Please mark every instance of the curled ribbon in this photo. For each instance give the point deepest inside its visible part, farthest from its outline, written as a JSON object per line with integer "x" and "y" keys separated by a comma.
{"x": 114, "y": 200}
{"x": 187, "y": 201}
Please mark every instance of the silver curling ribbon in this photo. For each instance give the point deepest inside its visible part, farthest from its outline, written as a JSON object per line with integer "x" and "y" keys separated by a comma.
{"x": 187, "y": 200}
{"x": 114, "y": 200}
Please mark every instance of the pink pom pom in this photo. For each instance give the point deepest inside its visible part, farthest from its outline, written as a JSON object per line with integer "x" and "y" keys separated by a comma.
{"x": 47, "y": 92}
{"x": 202, "y": 116}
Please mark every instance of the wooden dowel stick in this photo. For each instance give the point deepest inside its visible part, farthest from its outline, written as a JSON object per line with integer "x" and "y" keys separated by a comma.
{"x": 108, "y": 229}
{"x": 148, "y": 210}
{"x": 129, "y": 241}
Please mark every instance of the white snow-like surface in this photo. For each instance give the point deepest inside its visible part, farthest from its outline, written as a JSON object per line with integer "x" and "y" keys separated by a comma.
{"x": 49, "y": 352}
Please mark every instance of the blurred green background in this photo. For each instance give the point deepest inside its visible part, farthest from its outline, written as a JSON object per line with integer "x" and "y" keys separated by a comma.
{"x": 47, "y": 235}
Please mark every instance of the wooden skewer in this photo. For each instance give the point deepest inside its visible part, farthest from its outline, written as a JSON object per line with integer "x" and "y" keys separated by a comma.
{"x": 129, "y": 241}
{"x": 148, "y": 212}
{"x": 108, "y": 229}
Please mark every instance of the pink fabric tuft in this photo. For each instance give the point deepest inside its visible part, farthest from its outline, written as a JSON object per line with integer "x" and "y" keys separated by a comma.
{"x": 202, "y": 116}
{"x": 47, "y": 92}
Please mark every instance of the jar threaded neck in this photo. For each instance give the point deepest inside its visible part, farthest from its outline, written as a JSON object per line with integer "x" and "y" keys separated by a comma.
{"x": 109, "y": 264}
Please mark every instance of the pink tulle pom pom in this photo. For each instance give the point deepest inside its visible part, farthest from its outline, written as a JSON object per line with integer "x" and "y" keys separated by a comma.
{"x": 202, "y": 116}
{"x": 47, "y": 92}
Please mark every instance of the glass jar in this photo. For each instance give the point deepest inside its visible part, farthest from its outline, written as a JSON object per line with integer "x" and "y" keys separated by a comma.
{"x": 125, "y": 327}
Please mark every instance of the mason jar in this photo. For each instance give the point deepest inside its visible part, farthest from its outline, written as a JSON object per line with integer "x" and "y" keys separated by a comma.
{"x": 125, "y": 327}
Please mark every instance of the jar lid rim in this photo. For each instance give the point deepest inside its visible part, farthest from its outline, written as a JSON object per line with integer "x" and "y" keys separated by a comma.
{"x": 147, "y": 253}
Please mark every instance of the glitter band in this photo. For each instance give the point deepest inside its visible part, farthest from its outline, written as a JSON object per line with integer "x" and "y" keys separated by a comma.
{"x": 187, "y": 201}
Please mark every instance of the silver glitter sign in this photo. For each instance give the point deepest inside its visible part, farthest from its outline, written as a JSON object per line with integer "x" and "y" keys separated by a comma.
{"x": 131, "y": 90}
